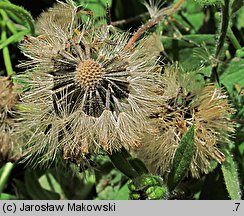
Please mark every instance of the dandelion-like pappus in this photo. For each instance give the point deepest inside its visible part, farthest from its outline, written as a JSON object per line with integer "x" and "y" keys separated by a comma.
{"x": 187, "y": 103}
{"x": 86, "y": 91}
{"x": 9, "y": 151}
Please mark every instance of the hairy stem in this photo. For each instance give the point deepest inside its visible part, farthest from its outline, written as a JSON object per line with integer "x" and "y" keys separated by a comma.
{"x": 129, "y": 20}
{"x": 233, "y": 39}
{"x": 9, "y": 24}
{"x": 220, "y": 43}
{"x": 6, "y": 55}
{"x": 162, "y": 14}
{"x": 14, "y": 38}
{"x": 224, "y": 27}
{"x": 20, "y": 12}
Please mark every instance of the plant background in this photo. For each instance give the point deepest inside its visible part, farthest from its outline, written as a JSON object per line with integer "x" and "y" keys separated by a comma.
{"x": 190, "y": 37}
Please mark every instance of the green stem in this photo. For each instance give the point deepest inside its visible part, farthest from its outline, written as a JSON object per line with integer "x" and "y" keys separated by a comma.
{"x": 19, "y": 12}
{"x": 5, "y": 175}
{"x": 14, "y": 17}
{"x": 14, "y": 38}
{"x": 9, "y": 24}
{"x": 233, "y": 39}
{"x": 6, "y": 56}
{"x": 221, "y": 40}
{"x": 224, "y": 27}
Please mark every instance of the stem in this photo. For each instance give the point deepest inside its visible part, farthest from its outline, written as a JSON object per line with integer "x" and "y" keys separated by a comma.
{"x": 19, "y": 12}
{"x": 163, "y": 13}
{"x": 6, "y": 56}
{"x": 5, "y": 174}
{"x": 108, "y": 15}
{"x": 224, "y": 27}
{"x": 9, "y": 24}
{"x": 14, "y": 38}
{"x": 129, "y": 20}
{"x": 221, "y": 40}
{"x": 233, "y": 39}
{"x": 14, "y": 17}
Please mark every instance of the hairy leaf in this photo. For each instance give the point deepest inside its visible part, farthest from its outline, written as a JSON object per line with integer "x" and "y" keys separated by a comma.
{"x": 234, "y": 74}
{"x": 192, "y": 51}
{"x": 231, "y": 177}
{"x": 182, "y": 159}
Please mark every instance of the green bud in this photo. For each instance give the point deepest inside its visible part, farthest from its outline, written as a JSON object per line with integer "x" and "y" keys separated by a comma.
{"x": 131, "y": 186}
{"x": 157, "y": 192}
{"x": 135, "y": 196}
{"x": 145, "y": 181}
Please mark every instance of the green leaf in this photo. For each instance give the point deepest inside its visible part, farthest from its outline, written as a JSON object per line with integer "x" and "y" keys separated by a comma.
{"x": 48, "y": 182}
{"x": 123, "y": 193}
{"x": 240, "y": 52}
{"x": 234, "y": 74}
{"x": 231, "y": 177}
{"x": 182, "y": 159}
{"x": 241, "y": 148}
{"x": 21, "y": 191}
{"x": 192, "y": 51}
{"x": 35, "y": 189}
{"x": 98, "y": 7}
{"x": 111, "y": 187}
{"x": 70, "y": 183}
{"x": 120, "y": 161}
{"x": 236, "y": 5}
{"x": 5, "y": 196}
{"x": 240, "y": 18}
{"x": 139, "y": 166}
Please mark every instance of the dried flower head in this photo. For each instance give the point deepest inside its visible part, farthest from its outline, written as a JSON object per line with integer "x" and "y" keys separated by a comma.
{"x": 186, "y": 104}
{"x": 86, "y": 91}
{"x": 8, "y": 98}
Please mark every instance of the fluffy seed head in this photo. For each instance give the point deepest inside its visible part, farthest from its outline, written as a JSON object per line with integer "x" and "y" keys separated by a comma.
{"x": 86, "y": 92}
{"x": 9, "y": 151}
{"x": 187, "y": 103}
{"x": 8, "y": 94}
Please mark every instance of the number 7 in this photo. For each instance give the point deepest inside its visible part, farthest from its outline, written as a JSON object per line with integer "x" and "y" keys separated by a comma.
{"x": 237, "y": 206}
